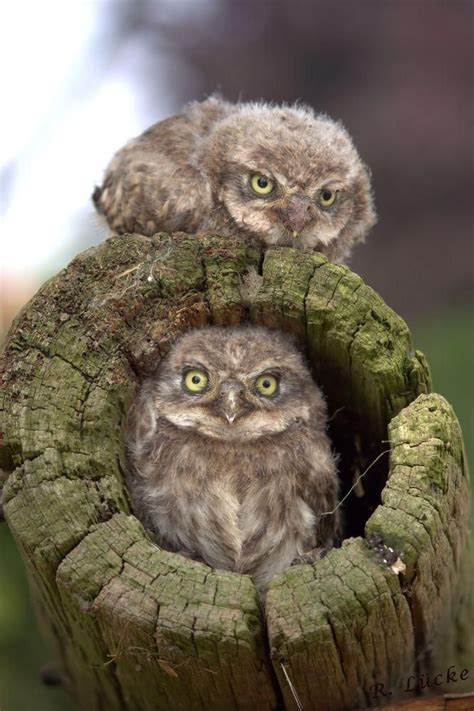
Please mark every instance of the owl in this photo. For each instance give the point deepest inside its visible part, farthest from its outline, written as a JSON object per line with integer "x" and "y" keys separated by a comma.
{"x": 271, "y": 175}
{"x": 229, "y": 460}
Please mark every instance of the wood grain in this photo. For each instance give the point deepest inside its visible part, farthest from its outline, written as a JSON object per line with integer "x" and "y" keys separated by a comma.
{"x": 136, "y": 627}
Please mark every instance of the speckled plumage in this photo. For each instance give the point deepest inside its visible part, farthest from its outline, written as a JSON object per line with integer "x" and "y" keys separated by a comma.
{"x": 192, "y": 173}
{"x": 241, "y": 491}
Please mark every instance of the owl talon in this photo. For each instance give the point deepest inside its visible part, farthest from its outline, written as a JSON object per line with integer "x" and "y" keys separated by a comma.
{"x": 311, "y": 556}
{"x": 250, "y": 284}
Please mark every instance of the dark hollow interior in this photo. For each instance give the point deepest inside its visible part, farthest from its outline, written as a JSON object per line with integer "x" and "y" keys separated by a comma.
{"x": 363, "y": 455}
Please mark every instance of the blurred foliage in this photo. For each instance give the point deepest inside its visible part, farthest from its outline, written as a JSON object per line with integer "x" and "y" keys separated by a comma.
{"x": 22, "y": 652}
{"x": 448, "y": 343}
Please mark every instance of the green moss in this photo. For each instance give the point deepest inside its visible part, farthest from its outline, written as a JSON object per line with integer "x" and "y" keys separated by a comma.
{"x": 141, "y": 627}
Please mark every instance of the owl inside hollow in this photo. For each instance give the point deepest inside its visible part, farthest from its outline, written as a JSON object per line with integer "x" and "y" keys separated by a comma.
{"x": 271, "y": 175}
{"x": 229, "y": 460}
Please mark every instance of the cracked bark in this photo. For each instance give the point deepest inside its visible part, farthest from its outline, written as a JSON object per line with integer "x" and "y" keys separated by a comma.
{"x": 139, "y": 628}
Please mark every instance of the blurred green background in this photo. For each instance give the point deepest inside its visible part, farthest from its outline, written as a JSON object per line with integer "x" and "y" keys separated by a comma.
{"x": 89, "y": 75}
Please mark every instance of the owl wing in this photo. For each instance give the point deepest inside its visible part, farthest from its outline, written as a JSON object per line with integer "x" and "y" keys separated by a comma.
{"x": 151, "y": 185}
{"x": 319, "y": 490}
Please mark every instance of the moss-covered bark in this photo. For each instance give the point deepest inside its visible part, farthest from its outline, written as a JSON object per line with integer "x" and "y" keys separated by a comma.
{"x": 356, "y": 619}
{"x": 139, "y": 628}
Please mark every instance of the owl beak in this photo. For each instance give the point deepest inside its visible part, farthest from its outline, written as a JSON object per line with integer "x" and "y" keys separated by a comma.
{"x": 230, "y": 400}
{"x": 297, "y": 213}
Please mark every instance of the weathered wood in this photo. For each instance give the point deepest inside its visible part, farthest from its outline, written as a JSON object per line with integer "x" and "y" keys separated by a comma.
{"x": 350, "y": 622}
{"x": 360, "y": 350}
{"x": 139, "y": 628}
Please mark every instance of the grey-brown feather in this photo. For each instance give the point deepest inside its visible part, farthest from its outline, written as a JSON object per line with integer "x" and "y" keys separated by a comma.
{"x": 191, "y": 173}
{"x": 245, "y": 495}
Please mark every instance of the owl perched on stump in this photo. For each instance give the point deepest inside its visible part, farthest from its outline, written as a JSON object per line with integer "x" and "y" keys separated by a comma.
{"x": 271, "y": 175}
{"x": 229, "y": 460}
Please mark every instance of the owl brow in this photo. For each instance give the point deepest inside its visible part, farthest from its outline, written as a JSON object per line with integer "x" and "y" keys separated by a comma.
{"x": 332, "y": 183}
{"x": 261, "y": 171}
{"x": 270, "y": 370}
{"x": 188, "y": 365}
{"x": 251, "y": 168}
{"x": 333, "y": 176}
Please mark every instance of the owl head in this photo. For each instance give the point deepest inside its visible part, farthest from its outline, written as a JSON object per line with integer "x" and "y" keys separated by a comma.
{"x": 288, "y": 176}
{"x": 237, "y": 383}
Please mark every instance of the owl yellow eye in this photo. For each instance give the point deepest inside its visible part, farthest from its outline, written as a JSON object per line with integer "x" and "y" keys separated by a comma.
{"x": 327, "y": 197}
{"x": 261, "y": 185}
{"x": 267, "y": 384}
{"x": 195, "y": 380}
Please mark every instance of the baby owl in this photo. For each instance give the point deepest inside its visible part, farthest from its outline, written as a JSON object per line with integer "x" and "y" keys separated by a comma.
{"x": 271, "y": 175}
{"x": 229, "y": 458}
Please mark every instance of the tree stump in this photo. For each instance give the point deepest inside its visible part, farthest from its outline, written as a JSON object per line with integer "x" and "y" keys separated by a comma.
{"x": 136, "y": 627}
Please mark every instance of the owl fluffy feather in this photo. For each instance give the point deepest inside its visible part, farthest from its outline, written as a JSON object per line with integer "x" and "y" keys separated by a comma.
{"x": 271, "y": 175}
{"x": 229, "y": 460}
